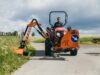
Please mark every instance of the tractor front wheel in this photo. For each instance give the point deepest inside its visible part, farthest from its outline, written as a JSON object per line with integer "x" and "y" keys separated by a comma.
{"x": 48, "y": 47}
{"x": 74, "y": 52}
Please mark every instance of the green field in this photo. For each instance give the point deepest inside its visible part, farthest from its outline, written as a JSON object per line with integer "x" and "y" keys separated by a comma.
{"x": 83, "y": 40}
{"x": 9, "y": 61}
{"x": 89, "y": 40}
{"x": 37, "y": 40}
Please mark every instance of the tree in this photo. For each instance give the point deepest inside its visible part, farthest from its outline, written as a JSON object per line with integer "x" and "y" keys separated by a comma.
{"x": 15, "y": 33}
{"x": 33, "y": 34}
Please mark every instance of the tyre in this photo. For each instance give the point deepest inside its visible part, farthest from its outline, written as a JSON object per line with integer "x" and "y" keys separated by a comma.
{"x": 74, "y": 52}
{"x": 48, "y": 47}
{"x": 25, "y": 53}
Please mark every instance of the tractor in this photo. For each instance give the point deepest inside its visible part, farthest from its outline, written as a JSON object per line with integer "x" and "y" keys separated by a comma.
{"x": 57, "y": 39}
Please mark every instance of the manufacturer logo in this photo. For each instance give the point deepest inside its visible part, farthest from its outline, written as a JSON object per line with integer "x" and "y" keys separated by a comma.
{"x": 75, "y": 38}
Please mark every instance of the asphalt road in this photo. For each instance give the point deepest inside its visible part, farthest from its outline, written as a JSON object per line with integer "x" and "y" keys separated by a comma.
{"x": 87, "y": 62}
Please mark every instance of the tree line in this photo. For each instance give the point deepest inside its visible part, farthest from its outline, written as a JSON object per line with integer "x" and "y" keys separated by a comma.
{"x": 14, "y": 33}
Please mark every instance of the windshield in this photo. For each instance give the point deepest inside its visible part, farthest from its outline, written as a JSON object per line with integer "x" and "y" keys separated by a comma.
{"x": 54, "y": 15}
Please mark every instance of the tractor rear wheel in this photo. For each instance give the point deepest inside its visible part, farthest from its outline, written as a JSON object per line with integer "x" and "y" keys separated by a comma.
{"x": 48, "y": 47}
{"x": 74, "y": 52}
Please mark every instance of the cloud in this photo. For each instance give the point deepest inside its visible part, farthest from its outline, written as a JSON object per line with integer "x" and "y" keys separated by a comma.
{"x": 83, "y": 15}
{"x": 7, "y": 25}
{"x": 89, "y": 31}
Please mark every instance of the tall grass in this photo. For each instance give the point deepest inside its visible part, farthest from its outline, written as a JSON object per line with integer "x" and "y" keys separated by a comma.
{"x": 9, "y": 61}
{"x": 89, "y": 40}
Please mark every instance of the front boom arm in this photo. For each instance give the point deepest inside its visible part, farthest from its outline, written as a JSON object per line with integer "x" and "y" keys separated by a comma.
{"x": 33, "y": 23}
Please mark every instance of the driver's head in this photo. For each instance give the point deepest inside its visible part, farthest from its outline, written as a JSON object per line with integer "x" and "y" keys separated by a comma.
{"x": 58, "y": 19}
{"x": 69, "y": 28}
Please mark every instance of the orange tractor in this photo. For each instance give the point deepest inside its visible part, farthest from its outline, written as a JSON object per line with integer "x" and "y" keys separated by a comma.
{"x": 57, "y": 39}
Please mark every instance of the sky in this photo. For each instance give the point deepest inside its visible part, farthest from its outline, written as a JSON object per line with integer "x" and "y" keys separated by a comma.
{"x": 83, "y": 15}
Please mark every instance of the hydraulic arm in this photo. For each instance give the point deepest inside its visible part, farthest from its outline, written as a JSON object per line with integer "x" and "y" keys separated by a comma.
{"x": 25, "y": 38}
{"x": 33, "y": 23}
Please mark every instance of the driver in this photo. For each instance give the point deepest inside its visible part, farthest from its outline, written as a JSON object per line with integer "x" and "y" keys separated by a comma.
{"x": 69, "y": 28}
{"x": 58, "y": 23}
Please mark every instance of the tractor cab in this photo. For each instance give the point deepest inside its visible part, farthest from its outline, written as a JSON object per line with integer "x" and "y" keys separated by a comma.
{"x": 57, "y": 20}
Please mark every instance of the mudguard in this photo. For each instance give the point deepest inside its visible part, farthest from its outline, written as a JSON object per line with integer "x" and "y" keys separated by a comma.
{"x": 70, "y": 39}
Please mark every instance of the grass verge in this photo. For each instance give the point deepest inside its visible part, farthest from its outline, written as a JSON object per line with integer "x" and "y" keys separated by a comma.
{"x": 9, "y": 61}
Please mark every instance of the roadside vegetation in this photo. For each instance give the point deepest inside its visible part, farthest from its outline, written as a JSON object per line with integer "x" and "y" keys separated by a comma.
{"x": 83, "y": 40}
{"x": 90, "y": 40}
{"x": 9, "y": 61}
{"x": 38, "y": 40}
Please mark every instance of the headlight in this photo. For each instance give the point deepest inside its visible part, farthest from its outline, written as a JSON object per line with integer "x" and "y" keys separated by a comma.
{"x": 58, "y": 34}
{"x": 64, "y": 33}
